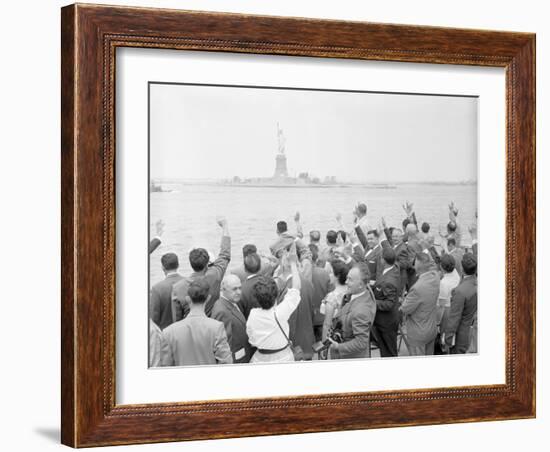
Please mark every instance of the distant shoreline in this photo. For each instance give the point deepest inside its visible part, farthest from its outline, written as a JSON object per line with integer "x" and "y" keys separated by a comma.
{"x": 382, "y": 186}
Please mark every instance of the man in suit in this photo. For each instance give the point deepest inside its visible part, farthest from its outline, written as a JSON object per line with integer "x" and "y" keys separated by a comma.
{"x": 161, "y": 293}
{"x": 355, "y": 317}
{"x": 285, "y": 239}
{"x": 457, "y": 325}
{"x": 226, "y": 310}
{"x": 321, "y": 286}
{"x": 327, "y": 254}
{"x": 386, "y": 321}
{"x": 301, "y": 320}
{"x": 196, "y": 340}
{"x": 420, "y": 308}
{"x": 360, "y": 213}
{"x": 403, "y": 254}
{"x": 266, "y": 268}
{"x": 373, "y": 255}
{"x": 247, "y": 302}
{"x": 200, "y": 263}
{"x": 457, "y": 254}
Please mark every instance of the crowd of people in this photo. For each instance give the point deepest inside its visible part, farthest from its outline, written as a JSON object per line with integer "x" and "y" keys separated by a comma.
{"x": 364, "y": 291}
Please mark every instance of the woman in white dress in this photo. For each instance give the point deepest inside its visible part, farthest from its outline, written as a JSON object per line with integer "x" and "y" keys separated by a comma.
{"x": 333, "y": 300}
{"x": 270, "y": 337}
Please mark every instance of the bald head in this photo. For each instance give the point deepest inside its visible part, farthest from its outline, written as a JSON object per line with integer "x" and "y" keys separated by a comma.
{"x": 231, "y": 287}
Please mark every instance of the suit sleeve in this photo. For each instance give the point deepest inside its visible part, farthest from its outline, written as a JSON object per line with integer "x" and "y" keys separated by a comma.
{"x": 455, "y": 314}
{"x": 222, "y": 352}
{"x": 223, "y": 317}
{"x": 361, "y": 236}
{"x": 180, "y": 307}
{"x": 360, "y": 326}
{"x": 411, "y": 302}
{"x": 219, "y": 266}
{"x": 385, "y": 296}
{"x": 154, "y": 244}
{"x": 155, "y": 306}
{"x": 166, "y": 355}
{"x": 404, "y": 258}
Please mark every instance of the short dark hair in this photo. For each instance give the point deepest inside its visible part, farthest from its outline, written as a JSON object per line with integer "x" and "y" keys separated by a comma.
{"x": 343, "y": 235}
{"x": 314, "y": 252}
{"x": 425, "y": 227}
{"x": 315, "y": 236}
{"x": 373, "y": 232}
{"x": 249, "y": 249}
{"x": 265, "y": 291}
{"x": 198, "y": 258}
{"x": 198, "y": 290}
{"x": 281, "y": 227}
{"x": 252, "y": 263}
{"x": 389, "y": 256}
{"x": 364, "y": 272}
{"x": 169, "y": 261}
{"x": 340, "y": 270}
{"x": 447, "y": 263}
{"x": 331, "y": 237}
{"x": 451, "y": 226}
{"x": 469, "y": 264}
{"x": 451, "y": 242}
{"x": 362, "y": 208}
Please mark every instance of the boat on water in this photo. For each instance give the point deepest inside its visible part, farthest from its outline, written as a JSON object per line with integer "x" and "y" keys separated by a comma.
{"x": 157, "y": 188}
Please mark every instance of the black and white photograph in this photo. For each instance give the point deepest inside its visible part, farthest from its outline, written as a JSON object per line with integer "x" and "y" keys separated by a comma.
{"x": 292, "y": 225}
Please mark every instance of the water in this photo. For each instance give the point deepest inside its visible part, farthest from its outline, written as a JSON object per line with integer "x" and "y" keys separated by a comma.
{"x": 189, "y": 214}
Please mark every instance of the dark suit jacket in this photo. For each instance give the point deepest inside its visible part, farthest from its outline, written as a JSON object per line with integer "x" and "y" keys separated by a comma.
{"x": 462, "y": 313}
{"x": 403, "y": 258}
{"x": 386, "y": 293}
{"x": 300, "y": 321}
{"x": 267, "y": 268}
{"x": 235, "y": 326}
{"x": 356, "y": 318}
{"x": 321, "y": 286}
{"x": 161, "y": 300}
{"x": 153, "y": 245}
{"x": 373, "y": 257}
{"x": 420, "y": 309}
{"x": 248, "y": 300}
{"x": 213, "y": 274}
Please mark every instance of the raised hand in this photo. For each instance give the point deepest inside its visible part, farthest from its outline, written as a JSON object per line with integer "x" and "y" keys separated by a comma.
{"x": 222, "y": 221}
{"x": 292, "y": 256}
{"x": 159, "y": 225}
{"x": 339, "y": 240}
{"x": 453, "y": 209}
{"x": 297, "y": 217}
{"x": 338, "y": 217}
{"x": 408, "y": 208}
{"x": 383, "y": 222}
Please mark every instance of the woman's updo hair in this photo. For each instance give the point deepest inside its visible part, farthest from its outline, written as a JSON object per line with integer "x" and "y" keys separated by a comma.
{"x": 340, "y": 270}
{"x": 265, "y": 291}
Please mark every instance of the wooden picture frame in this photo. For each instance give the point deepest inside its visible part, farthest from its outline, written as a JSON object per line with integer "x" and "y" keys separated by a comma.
{"x": 90, "y": 36}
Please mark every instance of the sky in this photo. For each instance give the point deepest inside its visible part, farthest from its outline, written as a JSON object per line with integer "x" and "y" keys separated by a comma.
{"x": 213, "y": 132}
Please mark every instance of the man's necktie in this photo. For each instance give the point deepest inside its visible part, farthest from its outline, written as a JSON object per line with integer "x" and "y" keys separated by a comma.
{"x": 346, "y": 299}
